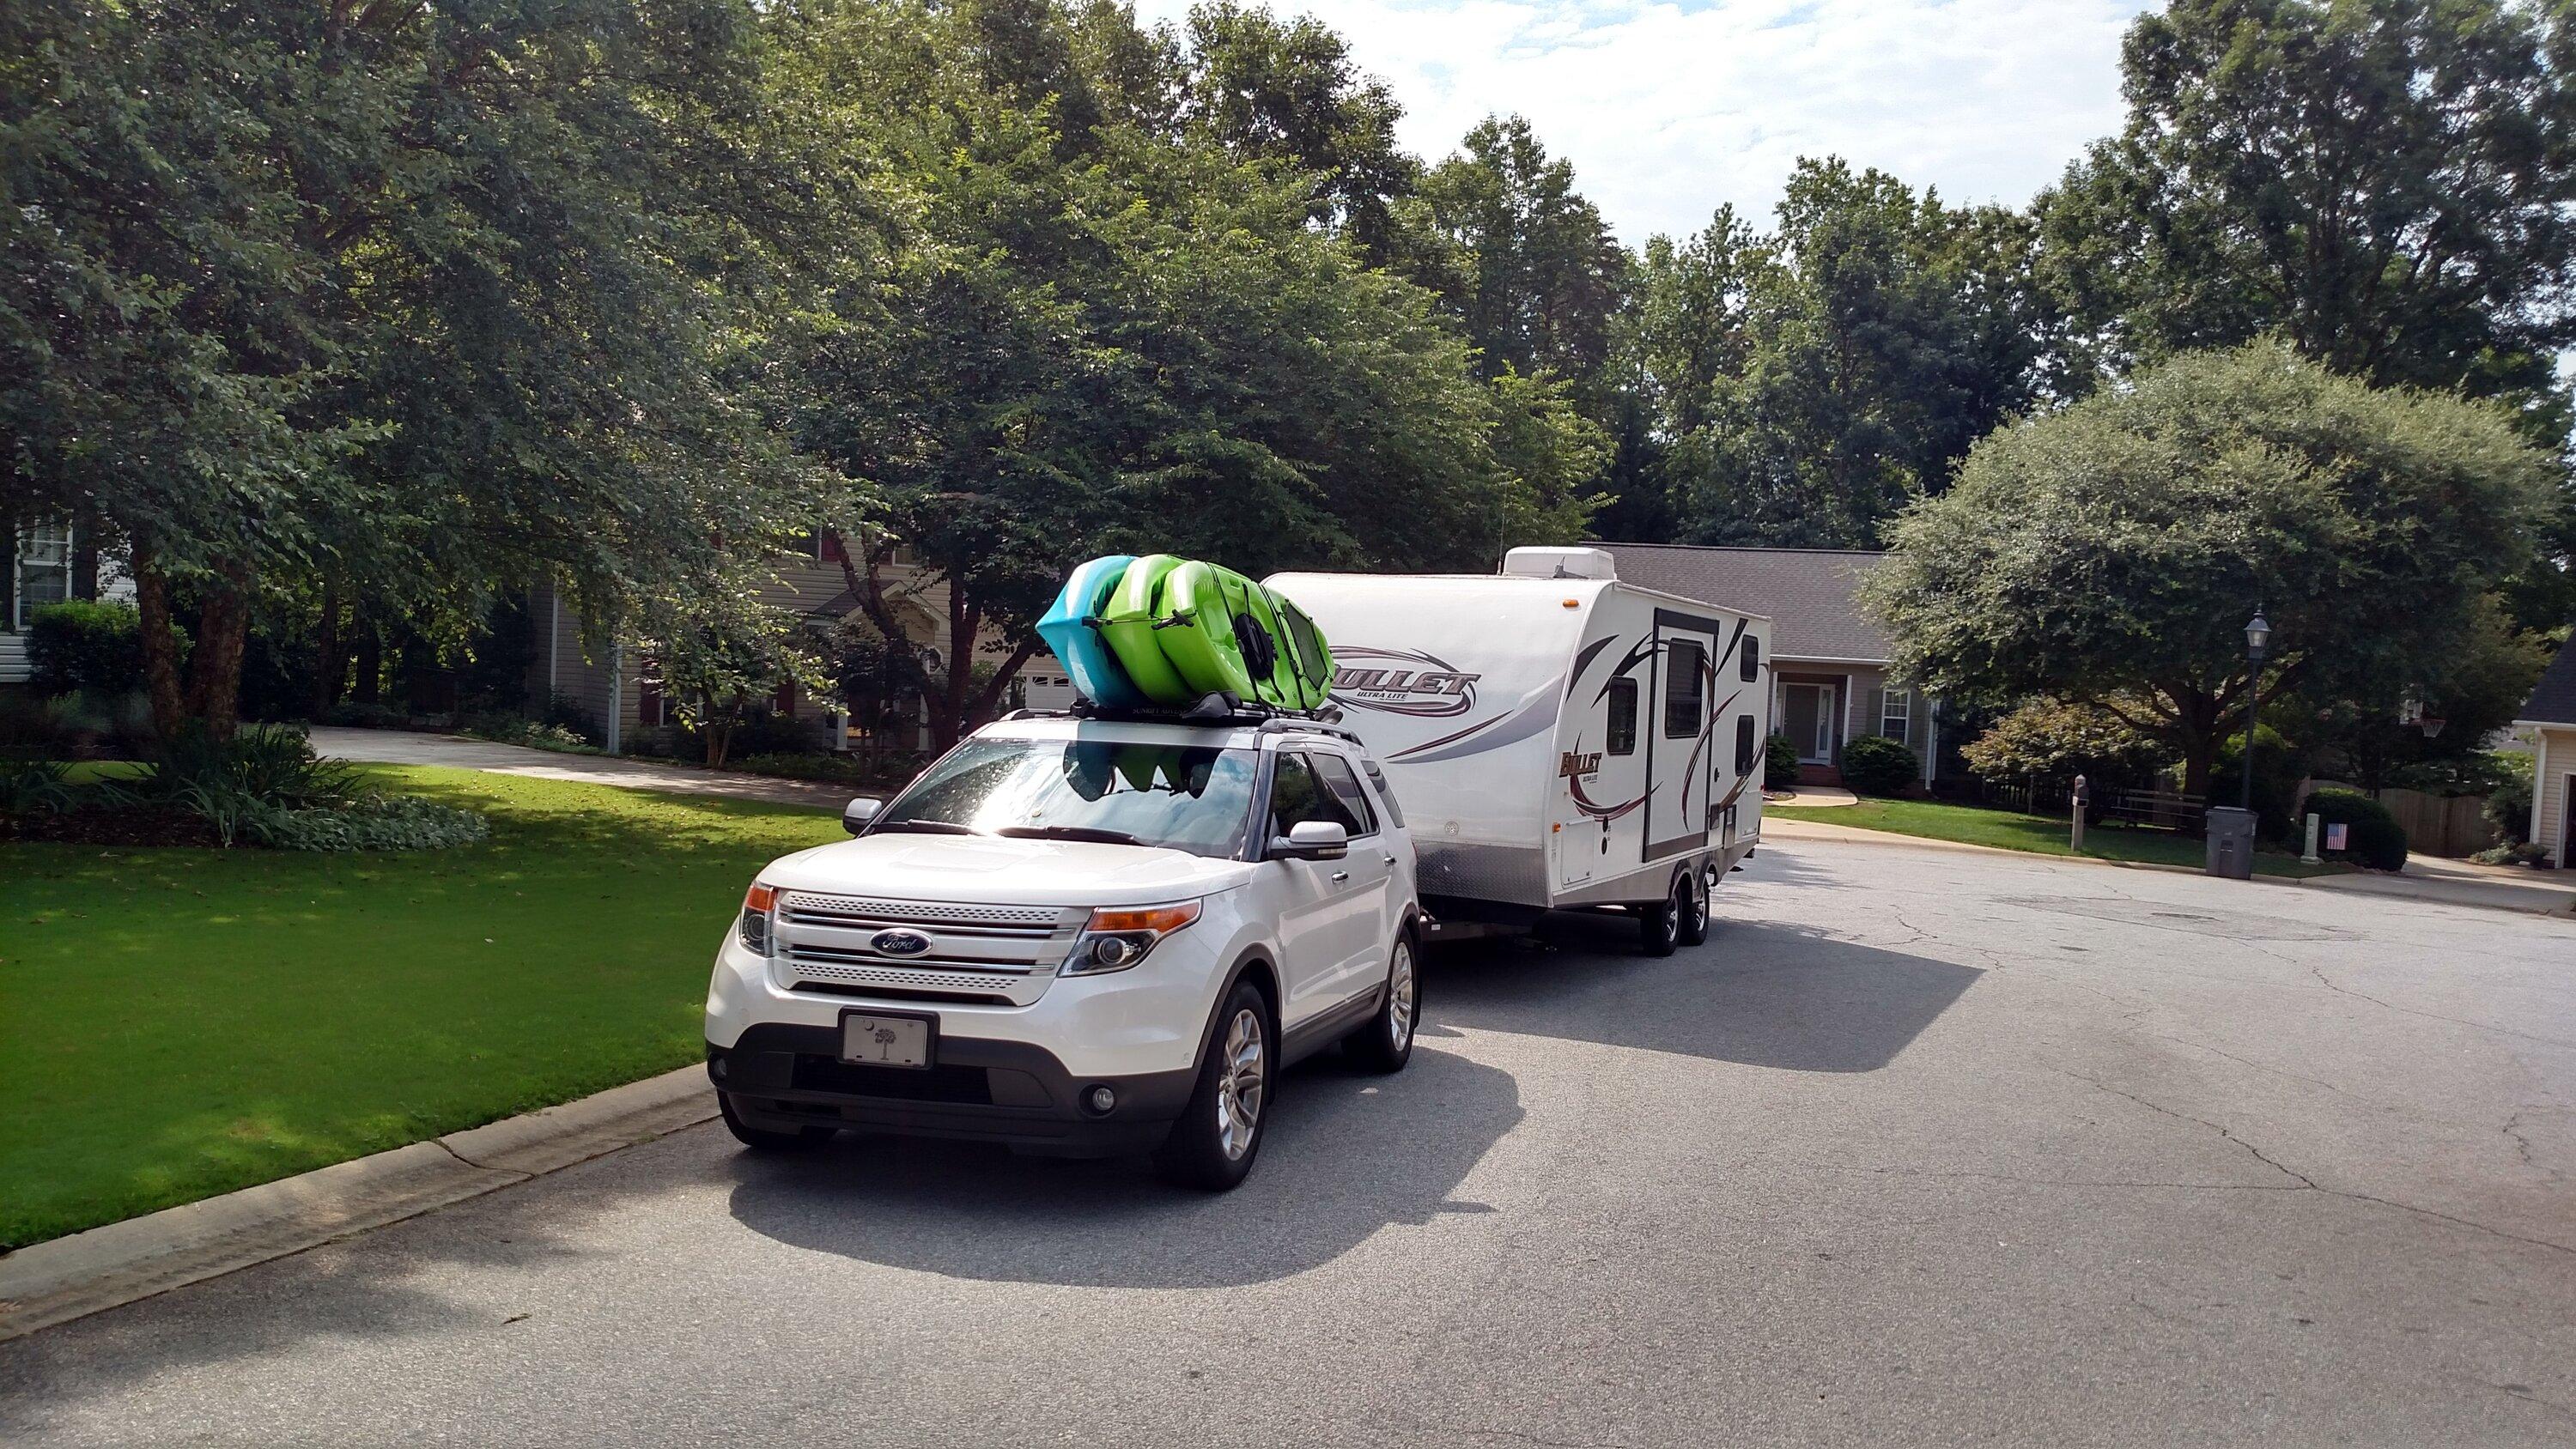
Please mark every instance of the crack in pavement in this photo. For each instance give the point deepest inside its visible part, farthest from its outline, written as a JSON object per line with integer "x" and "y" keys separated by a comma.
{"x": 480, "y": 1166}
{"x": 2304, "y": 1181}
{"x": 2330, "y": 984}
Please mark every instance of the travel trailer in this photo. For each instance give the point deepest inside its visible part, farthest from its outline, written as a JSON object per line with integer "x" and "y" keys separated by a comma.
{"x": 1555, "y": 738}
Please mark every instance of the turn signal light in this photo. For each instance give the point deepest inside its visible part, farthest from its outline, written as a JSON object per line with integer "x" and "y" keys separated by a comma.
{"x": 753, "y": 924}
{"x": 1158, "y": 919}
{"x": 760, "y": 898}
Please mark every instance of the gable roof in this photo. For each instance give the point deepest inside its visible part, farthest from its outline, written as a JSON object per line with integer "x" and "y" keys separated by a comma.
{"x": 1806, "y": 591}
{"x": 2553, "y": 699}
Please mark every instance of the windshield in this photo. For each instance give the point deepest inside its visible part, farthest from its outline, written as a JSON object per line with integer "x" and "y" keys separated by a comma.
{"x": 1186, "y": 797}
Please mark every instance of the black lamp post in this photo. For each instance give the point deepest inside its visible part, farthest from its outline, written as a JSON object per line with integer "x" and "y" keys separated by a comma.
{"x": 2258, "y": 640}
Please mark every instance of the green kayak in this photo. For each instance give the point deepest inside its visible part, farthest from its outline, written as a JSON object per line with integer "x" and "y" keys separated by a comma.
{"x": 1127, "y": 626}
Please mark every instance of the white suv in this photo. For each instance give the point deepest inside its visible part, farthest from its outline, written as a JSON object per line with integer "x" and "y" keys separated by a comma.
{"x": 1079, "y": 938}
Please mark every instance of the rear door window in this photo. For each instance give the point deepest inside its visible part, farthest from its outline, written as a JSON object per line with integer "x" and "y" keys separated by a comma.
{"x": 1385, "y": 793}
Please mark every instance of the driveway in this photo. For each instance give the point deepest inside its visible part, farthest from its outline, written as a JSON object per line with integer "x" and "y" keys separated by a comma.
{"x": 1924, "y": 1147}
{"x": 403, "y": 747}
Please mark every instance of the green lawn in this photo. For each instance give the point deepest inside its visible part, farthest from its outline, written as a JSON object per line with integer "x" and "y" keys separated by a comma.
{"x": 179, "y": 1023}
{"x": 2008, "y": 830}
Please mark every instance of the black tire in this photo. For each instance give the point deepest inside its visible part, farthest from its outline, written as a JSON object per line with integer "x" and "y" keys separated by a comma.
{"x": 762, "y": 1139}
{"x": 1695, "y": 917}
{"x": 1659, "y": 925}
{"x": 1214, "y": 1142}
{"x": 1385, "y": 1044}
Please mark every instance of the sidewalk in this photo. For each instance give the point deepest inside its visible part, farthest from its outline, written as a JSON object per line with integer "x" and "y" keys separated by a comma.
{"x": 2431, "y": 880}
{"x": 403, "y": 747}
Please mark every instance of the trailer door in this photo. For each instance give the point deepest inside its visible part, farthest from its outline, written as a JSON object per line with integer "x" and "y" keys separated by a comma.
{"x": 1683, "y": 762}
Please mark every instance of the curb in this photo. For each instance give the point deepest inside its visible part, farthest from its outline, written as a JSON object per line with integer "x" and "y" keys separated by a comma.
{"x": 106, "y": 1267}
{"x": 2359, "y": 884}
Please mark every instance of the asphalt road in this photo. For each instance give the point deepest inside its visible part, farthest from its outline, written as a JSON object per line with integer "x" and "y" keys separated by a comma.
{"x": 1923, "y": 1147}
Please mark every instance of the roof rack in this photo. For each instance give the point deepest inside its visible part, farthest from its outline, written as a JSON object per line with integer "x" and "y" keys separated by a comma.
{"x": 1211, "y": 709}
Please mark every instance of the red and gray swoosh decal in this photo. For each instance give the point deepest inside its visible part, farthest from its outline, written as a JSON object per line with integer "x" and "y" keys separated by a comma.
{"x": 1536, "y": 711}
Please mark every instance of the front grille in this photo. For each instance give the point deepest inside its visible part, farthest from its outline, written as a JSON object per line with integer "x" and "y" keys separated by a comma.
{"x": 987, "y": 954}
{"x": 968, "y": 1086}
{"x": 906, "y": 993}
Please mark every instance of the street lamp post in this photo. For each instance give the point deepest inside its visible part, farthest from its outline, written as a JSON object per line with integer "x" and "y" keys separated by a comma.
{"x": 2258, "y": 640}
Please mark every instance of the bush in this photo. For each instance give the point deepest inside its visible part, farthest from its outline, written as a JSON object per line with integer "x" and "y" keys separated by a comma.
{"x": 565, "y": 713}
{"x": 2508, "y": 806}
{"x": 1779, "y": 764}
{"x": 390, "y": 822}
{"x": 29, "y": 786}
{"x": 1877, "y": 765}
{"x": 832, "y": 769}
{"x": 2375, "y": 839}
{"x": 2525, "y": 853}
{"x": 86, "y": 644}
{"x": 2279, "y": 766}
{"x": 512, "y": 730}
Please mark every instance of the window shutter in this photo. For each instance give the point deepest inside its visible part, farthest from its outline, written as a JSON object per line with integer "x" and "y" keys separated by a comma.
{"x": 1876, "y": 721}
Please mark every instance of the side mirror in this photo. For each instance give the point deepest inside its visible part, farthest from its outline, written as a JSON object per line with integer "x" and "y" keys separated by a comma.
{"x": 856, "y": 815}
{"x": 1313, "y": 840}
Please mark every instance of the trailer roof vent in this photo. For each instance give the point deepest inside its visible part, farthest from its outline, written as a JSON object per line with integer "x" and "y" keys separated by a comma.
{"x": 1560, "y": 563}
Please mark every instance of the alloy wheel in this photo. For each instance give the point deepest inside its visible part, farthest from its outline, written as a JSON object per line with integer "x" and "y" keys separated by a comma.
{"x": 1399, "y": 997}
{"x": 1241, "y": 1086}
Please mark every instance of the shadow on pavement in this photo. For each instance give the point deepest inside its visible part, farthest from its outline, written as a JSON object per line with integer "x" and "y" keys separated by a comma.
{"x": 1759, "y": 995}
{"x": 1347, "y": 1155}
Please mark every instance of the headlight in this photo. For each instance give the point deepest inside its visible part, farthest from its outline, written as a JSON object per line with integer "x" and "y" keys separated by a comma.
{"x": 754, "y": 926}
{"x": 1116, "y": 940}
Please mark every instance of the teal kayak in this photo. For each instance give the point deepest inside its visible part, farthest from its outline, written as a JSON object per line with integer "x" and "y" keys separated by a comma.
{"x": 1071, "y": 627}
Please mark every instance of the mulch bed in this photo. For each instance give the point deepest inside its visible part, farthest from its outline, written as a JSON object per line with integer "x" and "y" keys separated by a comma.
{"x": 112, "y": 825}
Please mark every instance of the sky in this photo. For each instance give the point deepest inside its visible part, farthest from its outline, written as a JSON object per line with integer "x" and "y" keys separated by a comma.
{"x": 1669, "y": 110}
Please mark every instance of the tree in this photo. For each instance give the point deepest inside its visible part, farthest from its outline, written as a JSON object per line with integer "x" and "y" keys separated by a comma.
{"x": 402, "y": 305}
{"x": 2387, "y": 185}
{"x": 2110, "y": 553}
{"x": 1542, "y": 275}
{"x": 1813, "y": 381}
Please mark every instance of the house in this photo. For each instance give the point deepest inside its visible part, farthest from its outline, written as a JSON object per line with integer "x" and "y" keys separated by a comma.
{"x": 2551, "y": 716}
{"x": 46, "y": 563}
{"x": 1829, "y": 662}
{"x": 621, "y": 690}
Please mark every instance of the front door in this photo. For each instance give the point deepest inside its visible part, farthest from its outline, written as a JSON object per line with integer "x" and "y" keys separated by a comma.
{"x": 1807, "y": 712}
{"x": 1326, "y": 916}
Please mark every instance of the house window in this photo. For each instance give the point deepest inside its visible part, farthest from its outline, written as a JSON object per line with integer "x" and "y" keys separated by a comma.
{"x": 44, "y": 570}
{"x": 1685, "y": 689}
{"x": 1623, "y": 716}
{"x": 1895, "y": 714}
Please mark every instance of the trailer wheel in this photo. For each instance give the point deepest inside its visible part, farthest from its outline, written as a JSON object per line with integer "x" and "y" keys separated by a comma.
{"x": 1659, "y": 925}
{"x": 1694, "y": 930}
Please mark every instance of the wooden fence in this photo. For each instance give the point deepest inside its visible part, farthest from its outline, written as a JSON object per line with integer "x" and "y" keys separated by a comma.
{"x": 2441, "y": 824}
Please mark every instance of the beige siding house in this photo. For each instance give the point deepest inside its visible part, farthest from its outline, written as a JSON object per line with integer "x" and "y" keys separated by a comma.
{"x": 42, "y": 563}
{"x": 620, "y": 689}
{"x": 2551, "y": 716}
{"x": 1828, "y": 661}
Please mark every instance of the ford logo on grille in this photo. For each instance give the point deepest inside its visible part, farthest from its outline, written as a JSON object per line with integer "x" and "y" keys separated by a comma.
{"x": 900, "y": 943}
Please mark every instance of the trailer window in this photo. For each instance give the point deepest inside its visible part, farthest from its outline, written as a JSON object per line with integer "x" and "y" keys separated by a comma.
{"x": 1752, "y": 659}
{"x": 1685, "y": 688}
{"x": 1623, "y": 716}
{"x": 1743, "y": 745}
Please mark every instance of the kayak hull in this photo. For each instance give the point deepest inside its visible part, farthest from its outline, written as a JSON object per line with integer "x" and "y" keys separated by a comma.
{"x": 1128, "y": 627}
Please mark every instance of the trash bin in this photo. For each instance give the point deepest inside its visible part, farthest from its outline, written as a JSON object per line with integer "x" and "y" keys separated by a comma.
{"x": 2231, "y": 843}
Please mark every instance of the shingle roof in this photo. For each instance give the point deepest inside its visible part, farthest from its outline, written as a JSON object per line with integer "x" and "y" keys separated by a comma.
{"x": 1806, "y": 591}
{"x": 2553, "y": 699}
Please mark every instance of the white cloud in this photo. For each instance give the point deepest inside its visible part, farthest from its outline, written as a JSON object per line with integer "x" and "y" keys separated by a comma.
{"x": 1667, "y": 110}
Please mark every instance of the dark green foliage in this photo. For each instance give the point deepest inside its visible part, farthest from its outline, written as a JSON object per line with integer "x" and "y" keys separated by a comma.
{"x": 1877, "y": 765}
{"x": 2508, "y": 806}
{"x": 373, "y": 822}
{"x": 85, "y": 644}
{"x": 2279, "y": 766}
{"x": 1779, "y": 763}
{"x": 2376, "y": 840}
{"x": 29, "y": 786}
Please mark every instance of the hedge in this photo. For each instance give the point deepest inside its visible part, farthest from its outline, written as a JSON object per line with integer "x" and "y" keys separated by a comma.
{"x": 1877, "y": 765}
{"x": 2374, "y": 837}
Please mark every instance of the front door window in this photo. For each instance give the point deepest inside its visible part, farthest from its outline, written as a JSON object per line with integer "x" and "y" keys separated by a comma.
{"x": 1807, "y": 715}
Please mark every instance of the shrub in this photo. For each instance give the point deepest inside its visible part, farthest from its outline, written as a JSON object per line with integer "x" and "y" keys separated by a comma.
{"x": 1877, "y": 765}
{"x": 29, "y": 786}
{"x": 2527, "y": 852}
{"x": 390, "y": 822}
{"x": 512, "y": 730}
{"x": 86, "y": 644}
{"x": 565, "y": 713}
{"x": 835, "y": 769}
{"x": 354, "y": 715}
{"x": 2508, "y": 806}
{"x": 2057, "y": 742}
{"x": 2279, "y": 766}
{"x": 1780, "y": 764}
{"x": 2374, "y": 838}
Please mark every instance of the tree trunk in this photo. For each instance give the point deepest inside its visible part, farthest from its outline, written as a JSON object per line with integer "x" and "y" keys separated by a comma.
{"x": 160, "y": 644}
{"x": 214, "y": 665}
{"x": 949, "y": 722}
{"x": 369, "y": 687}
{"x": 330, "y": 666}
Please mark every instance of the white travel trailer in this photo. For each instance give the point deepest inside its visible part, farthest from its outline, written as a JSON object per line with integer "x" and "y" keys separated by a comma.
{"x": 1556, "y": 739}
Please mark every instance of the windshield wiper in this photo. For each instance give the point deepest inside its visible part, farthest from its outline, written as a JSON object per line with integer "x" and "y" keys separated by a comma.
{"x": 924, "y": 827}
{"x": 1069, "y": 832}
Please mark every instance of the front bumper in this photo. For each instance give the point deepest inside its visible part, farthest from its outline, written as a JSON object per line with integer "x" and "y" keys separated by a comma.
{"x": 779, "y": 1076}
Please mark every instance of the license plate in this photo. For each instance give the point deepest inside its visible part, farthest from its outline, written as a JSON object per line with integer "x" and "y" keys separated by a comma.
{"x": 885, "y": 1041}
